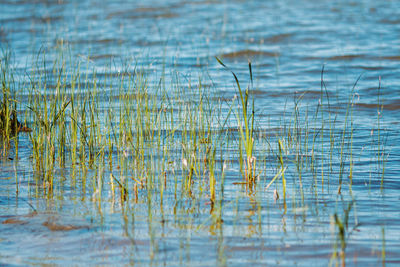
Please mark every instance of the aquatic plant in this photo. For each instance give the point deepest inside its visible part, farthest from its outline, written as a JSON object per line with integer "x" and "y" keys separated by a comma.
{"x": 10, "y": 126}
{"x": 245, "y": 120}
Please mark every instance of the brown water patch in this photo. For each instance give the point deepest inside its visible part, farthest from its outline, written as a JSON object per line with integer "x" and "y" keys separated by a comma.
{"x": 96, "y": 41}
{"x": 395, "y": 58}
{"x": 142, "y": 13}
{"x": 345, "y": 57}
{"x": 370, "y": 68}
{"x": 166, "y": 15}
{"x": 257, "y": 92}
{"x": 14, "y": 221}
{"x": 149, "y": 43}
{"x": 147, "y": 9}
{"x": 278, "y": 38}
{"x": 335, "y": 10}
{"x": 395, "y": 105}
{"x": 390, "y": 21}
{"x": 248, "y": 54}
{"x": 52, "y": 226}
{"x": 336, "y": 58}
{"x": 104, "y": 56}
{"x": 18, "y": 19}
{"x": 44, "y": 19}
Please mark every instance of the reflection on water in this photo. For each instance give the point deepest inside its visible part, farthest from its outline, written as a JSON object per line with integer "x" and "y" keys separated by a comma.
{"x": 288, "y": 42}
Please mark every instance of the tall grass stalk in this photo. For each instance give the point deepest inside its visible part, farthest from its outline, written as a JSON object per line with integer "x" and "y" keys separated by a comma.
{"x": 344, "y": 133}
{"x": 245, "y": 121}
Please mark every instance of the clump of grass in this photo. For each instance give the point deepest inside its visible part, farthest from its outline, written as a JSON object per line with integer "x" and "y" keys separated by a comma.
{"x": 132, "y": 125}
{"x": 8, "y": 120}
{"x": 245, "y": 120}
{"x": 164, "y": 144}
{"x": 10, "y": 126}
{"x": 48, "y": 137}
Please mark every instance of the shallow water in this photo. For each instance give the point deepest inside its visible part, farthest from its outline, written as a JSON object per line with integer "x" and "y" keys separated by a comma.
{"x": 288, "y": 42}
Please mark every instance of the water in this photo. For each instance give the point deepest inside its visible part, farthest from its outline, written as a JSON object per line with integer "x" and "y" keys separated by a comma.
{"x": 288, "y": 42}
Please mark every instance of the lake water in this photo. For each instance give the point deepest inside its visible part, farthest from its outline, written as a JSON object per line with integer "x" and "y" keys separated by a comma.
{"x": 288, "y": 43}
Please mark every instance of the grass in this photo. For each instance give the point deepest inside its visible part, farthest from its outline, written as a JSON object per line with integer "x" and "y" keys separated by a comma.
{"x": 128, "y": 139}
{"x": 245, "y": 121}
{"x": 8, "y": 115}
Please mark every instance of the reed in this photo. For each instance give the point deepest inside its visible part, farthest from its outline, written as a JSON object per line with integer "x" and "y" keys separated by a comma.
{"x": 10, "y": 126}
{"x": 245, "y": 120}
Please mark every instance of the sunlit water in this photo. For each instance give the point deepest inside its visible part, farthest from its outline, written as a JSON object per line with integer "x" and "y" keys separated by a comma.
{"x": 288, "y": 42}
